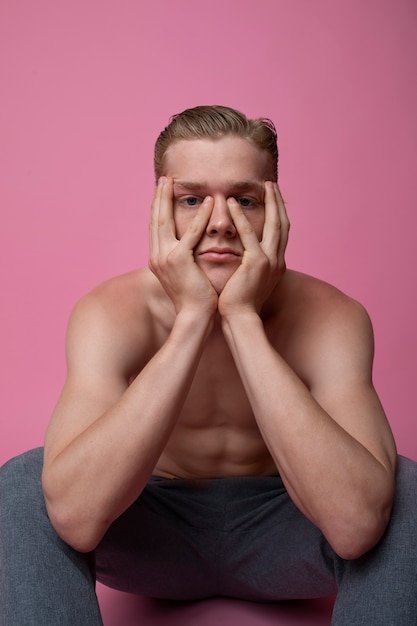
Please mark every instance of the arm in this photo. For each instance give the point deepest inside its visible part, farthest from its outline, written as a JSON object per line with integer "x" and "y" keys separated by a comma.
{"x": 330, "y": 440}
{"x": 105, "y": 438}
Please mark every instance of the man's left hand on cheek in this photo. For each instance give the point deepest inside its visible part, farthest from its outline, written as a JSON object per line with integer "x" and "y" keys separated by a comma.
{"x": 263, "y": 262}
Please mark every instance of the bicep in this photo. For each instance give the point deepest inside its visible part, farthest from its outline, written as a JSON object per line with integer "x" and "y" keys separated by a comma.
{"x": 80, "y": 404}
{"x": 97, "y": 376}
{"x": 342, "y": 383}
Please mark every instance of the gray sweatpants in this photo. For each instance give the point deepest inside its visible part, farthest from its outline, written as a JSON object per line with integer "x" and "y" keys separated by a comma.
{"x": 237, "y": 537}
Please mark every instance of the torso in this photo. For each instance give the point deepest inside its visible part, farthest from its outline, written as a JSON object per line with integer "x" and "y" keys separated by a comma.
{"x": 216, "y": 433}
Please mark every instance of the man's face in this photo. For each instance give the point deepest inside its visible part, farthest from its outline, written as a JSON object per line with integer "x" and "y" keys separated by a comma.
{"x": 221, "y": 168}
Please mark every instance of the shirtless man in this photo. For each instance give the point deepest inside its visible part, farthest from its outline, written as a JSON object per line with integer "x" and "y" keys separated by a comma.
{"x": 217, "y": 362}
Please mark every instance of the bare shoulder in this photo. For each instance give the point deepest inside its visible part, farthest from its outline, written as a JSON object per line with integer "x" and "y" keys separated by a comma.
{"x": 319, "y": 326}
{"x": 117, "y": 318}
{"x": 309, "y": 301}
{"x": 121, "y": 292}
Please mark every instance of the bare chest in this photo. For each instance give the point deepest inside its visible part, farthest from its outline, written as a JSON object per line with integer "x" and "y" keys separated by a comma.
{"x": 216, "y": 432}
{"x": 216, "y": 396}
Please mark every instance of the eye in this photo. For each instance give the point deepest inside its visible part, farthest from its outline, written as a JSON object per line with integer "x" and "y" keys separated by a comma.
{"x": 190, "y": 201}
{"x": 246, "y": 202}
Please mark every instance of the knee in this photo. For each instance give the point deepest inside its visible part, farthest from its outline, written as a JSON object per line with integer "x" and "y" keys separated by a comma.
{"x": 20, "y": 479}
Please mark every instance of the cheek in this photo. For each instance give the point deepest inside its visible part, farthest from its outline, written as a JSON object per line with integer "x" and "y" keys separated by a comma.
{"x": 182, "y": 220}
{"x": 257, "y": 222}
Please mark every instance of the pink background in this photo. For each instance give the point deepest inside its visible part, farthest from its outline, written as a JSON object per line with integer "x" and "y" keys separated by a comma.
{"x": 87, "y": 85}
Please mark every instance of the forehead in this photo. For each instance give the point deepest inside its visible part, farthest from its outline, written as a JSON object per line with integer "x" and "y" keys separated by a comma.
{"x": 228, "y": 158}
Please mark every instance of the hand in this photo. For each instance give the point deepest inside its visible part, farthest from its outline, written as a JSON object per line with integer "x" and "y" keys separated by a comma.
{"x": 172, "y": 260}
{"x": 263, "y": 262}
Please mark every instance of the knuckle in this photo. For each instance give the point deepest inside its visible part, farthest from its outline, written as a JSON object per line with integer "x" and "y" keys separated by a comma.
{"x": 153, "y": 265}
{"x": 263, "y": 262}
{"x": 172, "y": 258}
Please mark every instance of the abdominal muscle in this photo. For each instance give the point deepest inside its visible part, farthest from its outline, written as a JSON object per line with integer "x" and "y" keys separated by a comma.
{"x": 215, "y": 451}
{"x": 216, "y": 434}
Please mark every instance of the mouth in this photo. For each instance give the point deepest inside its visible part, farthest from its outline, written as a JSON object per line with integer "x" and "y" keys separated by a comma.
{"x": 219, "y": 255}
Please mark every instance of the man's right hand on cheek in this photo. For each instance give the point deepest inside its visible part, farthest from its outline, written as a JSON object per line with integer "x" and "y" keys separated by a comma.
{"x": 172, "y": 259}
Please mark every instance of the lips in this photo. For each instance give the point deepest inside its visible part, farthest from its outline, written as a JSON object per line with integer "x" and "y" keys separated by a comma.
{"x": 220, "y": 255}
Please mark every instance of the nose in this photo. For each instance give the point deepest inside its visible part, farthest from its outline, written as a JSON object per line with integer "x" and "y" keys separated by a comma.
{"x": 220, "y": 222}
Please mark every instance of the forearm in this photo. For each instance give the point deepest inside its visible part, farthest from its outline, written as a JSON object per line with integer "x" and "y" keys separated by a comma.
{"x": 93, "y": 479}
{"x": 335, "y": 480}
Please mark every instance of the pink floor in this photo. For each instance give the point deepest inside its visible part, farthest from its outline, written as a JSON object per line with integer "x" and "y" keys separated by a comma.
{"x": 120, "y": 609}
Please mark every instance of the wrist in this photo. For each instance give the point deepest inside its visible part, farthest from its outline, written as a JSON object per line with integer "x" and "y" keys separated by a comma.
{"x": 242, "y": 321}
{"x": 194, "y": 321}
{"x": 239, "y": 314}
{"x": 201, "y": 308}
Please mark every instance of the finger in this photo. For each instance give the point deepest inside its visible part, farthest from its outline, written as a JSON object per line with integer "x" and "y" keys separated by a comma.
{"x": 165, "y": 224}
{"x": 153, "y": 223}
{"x": 243, "y": 226}
{"x": 196, "y": 229}
{"x": 284, "y": 225}
{"x": 271, "y": 234}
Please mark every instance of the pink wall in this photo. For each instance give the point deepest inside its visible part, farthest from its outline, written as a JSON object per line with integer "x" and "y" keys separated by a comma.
{"x": 87, "y": 85}
{"x": 85, "y": 88}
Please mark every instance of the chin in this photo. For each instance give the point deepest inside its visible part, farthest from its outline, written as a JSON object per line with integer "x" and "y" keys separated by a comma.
{"x": 218, "y": 279}
{"x": 218, "y": 287}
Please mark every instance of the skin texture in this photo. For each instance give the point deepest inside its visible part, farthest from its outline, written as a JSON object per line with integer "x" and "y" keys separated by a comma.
{"x": 219, "y": 361}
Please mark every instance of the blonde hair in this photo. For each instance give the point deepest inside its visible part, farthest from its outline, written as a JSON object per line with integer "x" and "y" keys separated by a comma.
{"x": 213, "y": 122}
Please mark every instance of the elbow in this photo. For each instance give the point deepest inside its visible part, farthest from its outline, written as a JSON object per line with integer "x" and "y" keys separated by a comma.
{"x": 76, "y": 529}
{"x": 351, "y": 547}
{"x": 355, "y": 535}
{"x": 77, "y": 533}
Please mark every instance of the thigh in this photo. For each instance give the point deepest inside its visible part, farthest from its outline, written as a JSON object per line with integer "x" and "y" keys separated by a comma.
{"x": 163, "y": 546}
{"x": 42, "y": 579}
{"x": 237, "y": 537}
{"x": 381, "y": 586}
{"x": 272, "y": 551}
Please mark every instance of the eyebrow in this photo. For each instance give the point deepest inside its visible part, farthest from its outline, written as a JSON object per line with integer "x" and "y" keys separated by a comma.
{"x": 242, "y": 185}
{"x": 189, "y": 184}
